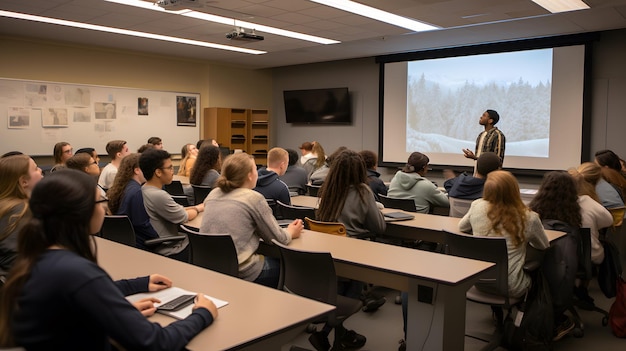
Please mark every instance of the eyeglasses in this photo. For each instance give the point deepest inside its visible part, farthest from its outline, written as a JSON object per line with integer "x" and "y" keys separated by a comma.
{"x": 171, "y": 168}
{"x": 103, "y": 200}
{"x": 68, "y": 151}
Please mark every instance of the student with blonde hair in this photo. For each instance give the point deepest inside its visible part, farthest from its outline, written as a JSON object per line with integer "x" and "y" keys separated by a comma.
{"x": 18, "y": 176}
{"x": 502, "y": 213}
{"x": 234, "y": 208}
{"x": 189, "y": 153}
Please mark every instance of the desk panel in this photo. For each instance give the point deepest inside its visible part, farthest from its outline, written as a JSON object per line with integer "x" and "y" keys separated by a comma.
{"x": 254, "y": 318}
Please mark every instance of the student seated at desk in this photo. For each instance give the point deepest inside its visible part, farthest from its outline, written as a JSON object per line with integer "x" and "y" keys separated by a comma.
{"x": 18, "y": 176}
{"x": 208, "y": 164}
{"x": 295, "y": 176}
{"x": 62, "y": 152}
{"x": 165, "y": 214}
{"x": 234, "y": 208}
{"x": 373, "y": 177}
{"x": 345, "y": 197}
{"x": 117, "y": 150}
{"x": 58, "y": 298}
{"x": 268, "y": 183}
{"x": 411, "y": 183}
{"x": 501, "y": 212}
{"x": 470, "y": 187}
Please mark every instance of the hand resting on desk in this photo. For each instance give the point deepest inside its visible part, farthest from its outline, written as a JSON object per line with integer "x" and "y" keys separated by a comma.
{"x": 157, "y": 282}
{"x": 295, "y": 228}
{"x": 202, "y": 301}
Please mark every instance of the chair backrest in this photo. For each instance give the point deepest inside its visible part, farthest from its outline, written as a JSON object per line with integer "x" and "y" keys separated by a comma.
{"x": 483, "y": 248}
{"x": 400, "y": 204}
{"x": 313, "y": 190}
{"x": 308, "y": 274}
{"x": 200, "y": 192}
{"x": 585, "y": 266}
{"x": 181, "y": 200}
{"x": 119, "y": 228}
{"x": 213, "y": 251}
{"x": 459, "y": 207}
{"x": 295, "y": 212}
{"x": 174, "y": 188}
{"x": 274, "y": 206}
{"x": 618, "y": 215}
{"x": 334, "y": 228}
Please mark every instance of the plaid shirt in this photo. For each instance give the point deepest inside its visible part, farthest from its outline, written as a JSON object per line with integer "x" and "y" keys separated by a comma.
{"x": 493, "y": 141}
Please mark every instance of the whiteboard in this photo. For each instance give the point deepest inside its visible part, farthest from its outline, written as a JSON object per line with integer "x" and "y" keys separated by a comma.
{"x": 38, "y": 114}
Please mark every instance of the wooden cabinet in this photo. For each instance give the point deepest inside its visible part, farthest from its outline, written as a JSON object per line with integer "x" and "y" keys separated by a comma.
{"x": 238, "y": 128}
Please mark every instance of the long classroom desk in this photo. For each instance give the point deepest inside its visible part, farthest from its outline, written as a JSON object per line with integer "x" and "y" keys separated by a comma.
{"x": 436, "y": 283}
{"x": 424, "y": 226}
{"x": 256, "y": 317}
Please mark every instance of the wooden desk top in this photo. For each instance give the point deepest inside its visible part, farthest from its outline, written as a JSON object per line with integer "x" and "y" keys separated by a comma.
{"x": 449, "y": 270}
{"x": 421, "y": 220}
{"x": 253, "y": 312}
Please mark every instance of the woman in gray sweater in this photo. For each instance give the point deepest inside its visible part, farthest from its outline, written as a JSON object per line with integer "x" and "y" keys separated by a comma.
{"x": 234, "y": 208}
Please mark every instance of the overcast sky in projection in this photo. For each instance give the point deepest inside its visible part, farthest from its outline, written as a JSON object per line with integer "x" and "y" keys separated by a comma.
{"x": 534, "y": 66}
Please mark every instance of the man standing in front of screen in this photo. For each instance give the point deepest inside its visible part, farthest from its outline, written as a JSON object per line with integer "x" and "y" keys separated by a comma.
{"x": 491, "y": 139}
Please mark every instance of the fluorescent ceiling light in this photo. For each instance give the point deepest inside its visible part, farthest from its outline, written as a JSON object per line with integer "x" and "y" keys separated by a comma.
{"x": 555, "y": 6}
{"x": 376, "y": 14}
{"x": 227, "y": 21}
{"x": 49, "y": 20}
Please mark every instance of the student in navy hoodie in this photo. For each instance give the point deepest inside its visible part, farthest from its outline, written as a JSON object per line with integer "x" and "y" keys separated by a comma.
{"x": 268, "y": 183}
{"x": 470, "y": 187}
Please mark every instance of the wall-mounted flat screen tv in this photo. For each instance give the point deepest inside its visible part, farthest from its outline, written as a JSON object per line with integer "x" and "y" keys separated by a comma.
{"x": 318, "y": 106}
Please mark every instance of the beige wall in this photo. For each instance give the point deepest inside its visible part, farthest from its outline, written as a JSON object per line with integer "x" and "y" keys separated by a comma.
{"x": 219, "y": 86}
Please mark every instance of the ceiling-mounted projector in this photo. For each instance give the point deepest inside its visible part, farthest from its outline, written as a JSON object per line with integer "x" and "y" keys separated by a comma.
{"x": 177, "y": 4}
{"x": 243, "y": 36}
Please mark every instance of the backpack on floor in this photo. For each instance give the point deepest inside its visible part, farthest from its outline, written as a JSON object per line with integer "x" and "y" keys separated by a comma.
{"x": 610, "y": 270}
{"x": 617, "y": 313}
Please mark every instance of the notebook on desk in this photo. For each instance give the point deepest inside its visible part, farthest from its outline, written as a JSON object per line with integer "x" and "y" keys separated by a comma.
{"x": 169, "y": 294}
{"x": 397, "y": 216}
{"x": 284, "y": 223}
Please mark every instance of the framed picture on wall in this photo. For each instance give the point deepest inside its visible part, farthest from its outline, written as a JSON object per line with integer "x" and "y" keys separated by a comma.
{"x": 18, "y": 118}
{"x": 186, "y": 110}
{"x": 54, "y": 117}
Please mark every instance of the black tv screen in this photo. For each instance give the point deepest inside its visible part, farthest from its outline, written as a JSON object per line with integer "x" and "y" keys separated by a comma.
{"x": 318, "y": 106}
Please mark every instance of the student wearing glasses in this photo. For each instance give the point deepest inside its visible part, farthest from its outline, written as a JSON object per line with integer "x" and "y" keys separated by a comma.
{"x": 58, "y": 298}
{"x": 62, "y": 152}
{"x": 18, "y": 176}
{"x": 85, "y": 163}
{"x": 165, "y": 214}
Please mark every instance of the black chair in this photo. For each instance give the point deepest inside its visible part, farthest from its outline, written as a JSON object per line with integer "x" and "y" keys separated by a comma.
{"x": 174, "y": 188}
{"x": 181, "y": 200}
{"x": 494, "y": 280}
{"x": 118, "y": 228}
{"x": 400, "y": 204}
{"x": 313, "y": 190}
{"x": 213, "y": 251}
{"x": 312, "y": 275}
{"x": 295, "y": 212}
{"x": 200, "y": 192}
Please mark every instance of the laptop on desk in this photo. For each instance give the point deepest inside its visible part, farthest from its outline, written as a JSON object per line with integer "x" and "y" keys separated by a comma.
{"x": 397, "y": 216}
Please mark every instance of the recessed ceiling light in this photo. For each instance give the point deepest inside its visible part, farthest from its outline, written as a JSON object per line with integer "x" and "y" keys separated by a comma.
{"x": 133, "y": 33}
{"x": 555, "y": 6}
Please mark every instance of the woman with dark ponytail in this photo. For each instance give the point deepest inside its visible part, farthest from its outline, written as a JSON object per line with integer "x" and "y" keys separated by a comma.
{"x": 57, "y": 298}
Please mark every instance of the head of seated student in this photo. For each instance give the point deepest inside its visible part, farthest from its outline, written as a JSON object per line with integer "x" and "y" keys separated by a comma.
{"x": 11, "y": 153}
{"x": 586, "y": 176}
{"x": 306, "y": 148}
{"x": 293, "y": 157}
{"x": 156, "y": 142}
{"x": 91, "y": 152}
{"x": 487, "y": 162}
{"x": 608, "y": 158}
{"x": 64, "y": 213}
{"x": 18, "y": 176}
{"x": 145, "y": 147}
{"x": 370, "y": 158}
{"x": 85, "y": 163}
{"x": 128, "y": 171}
{"x": 506, "y": 210}
{"x": 238, "y": 171}
{"x": 319, "y": 153}
{"x": 156, "y": 166}
{"x": 417, "y": 163}
{"x": 557, "y": 198}
{"x": 346, "y": 172}
{"x": 117, "y": 150}
{"x": 62, "y": 152}
{"x": 209, "y": 157}
{"x": 277, "y": 160}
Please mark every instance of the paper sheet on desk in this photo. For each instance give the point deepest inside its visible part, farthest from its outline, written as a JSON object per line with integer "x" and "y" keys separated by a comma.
{"x": 169, "y": 294}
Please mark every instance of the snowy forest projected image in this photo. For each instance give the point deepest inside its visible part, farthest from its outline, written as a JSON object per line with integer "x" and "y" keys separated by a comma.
{"x": 445, "y": 98}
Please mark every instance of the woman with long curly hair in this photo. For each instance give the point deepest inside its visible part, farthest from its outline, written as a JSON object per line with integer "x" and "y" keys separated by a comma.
{"x": 207, "y": 166}
{"x": 501, "y": 212}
